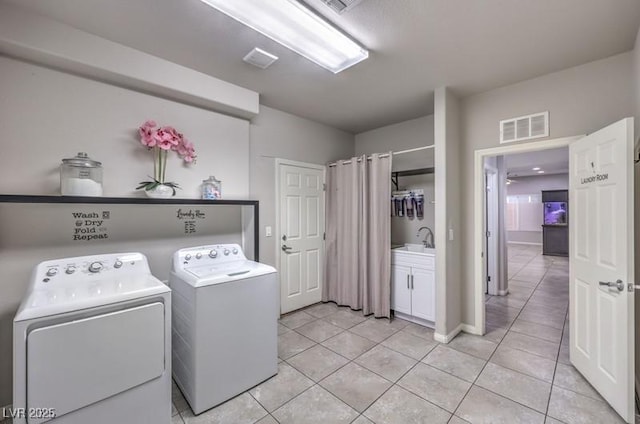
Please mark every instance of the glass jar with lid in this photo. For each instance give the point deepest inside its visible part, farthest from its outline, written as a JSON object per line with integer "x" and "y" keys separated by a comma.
{"x": 211, "y": 188}
{"x": 80, "y": 176}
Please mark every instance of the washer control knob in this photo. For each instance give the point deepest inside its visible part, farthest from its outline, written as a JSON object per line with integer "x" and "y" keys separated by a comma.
{"x": 226, "y": 252}
{"x": 187, "y": 256}
{"x": 51, "y": 272}
{"x": 235, "y": 251}
{"x": 70, "y": 269}
{"x": 213, "y": 254}
{"x": 198, "y": 255}
{"x": 117, "y": 263}
{"x": 95, "y": 267}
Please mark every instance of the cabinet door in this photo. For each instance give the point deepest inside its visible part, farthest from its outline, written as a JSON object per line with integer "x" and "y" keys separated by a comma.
{"x": 400, "y": 292}
{"x": 423, "y": 295}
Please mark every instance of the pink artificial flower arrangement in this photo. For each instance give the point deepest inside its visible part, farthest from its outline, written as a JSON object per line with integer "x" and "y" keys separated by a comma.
{"x": 162, "y": 140}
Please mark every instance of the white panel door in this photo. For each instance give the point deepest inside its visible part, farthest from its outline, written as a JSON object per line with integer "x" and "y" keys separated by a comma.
{"x": 492, "y": 205}
{"x": 423, "y": 293}
{"x": 301, "y": 235}
{"x": 401, "y": 289}
{"x": 601, "y": 263}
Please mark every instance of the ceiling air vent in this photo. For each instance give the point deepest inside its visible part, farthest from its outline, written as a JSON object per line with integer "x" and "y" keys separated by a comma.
{"x": 341, "y": 6}
{"x": 260, "y": 58}
{"x": 524, "y": 127}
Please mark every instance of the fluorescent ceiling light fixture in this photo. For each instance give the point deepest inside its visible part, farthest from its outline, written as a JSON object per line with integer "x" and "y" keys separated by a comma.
{"x": 297, "y": 28}
{"x": 536, "y": 168}
{"x": 540, "y": 172}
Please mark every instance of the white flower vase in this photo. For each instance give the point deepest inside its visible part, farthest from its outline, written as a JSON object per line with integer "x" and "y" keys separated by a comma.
{"x": 160, "y": 191}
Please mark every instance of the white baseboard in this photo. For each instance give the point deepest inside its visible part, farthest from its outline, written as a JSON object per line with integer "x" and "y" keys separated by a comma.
{"x": 526, "y": 243}
{"x": 416, "y": 320}
{"x": 471, "y": 329}
{"x": 446, "y": 338}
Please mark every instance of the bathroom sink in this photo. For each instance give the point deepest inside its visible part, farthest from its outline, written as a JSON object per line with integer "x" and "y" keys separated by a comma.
{"x": 416, "y": 248}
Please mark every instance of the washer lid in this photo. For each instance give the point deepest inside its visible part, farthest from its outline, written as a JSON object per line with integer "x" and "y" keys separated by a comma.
{"x": 61, "y": 298}
{"x": 206, "y": 275}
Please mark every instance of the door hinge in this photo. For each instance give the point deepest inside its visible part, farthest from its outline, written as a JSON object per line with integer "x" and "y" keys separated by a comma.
{"x": 488, "y": 278}
{"x": 324, "y": 187}
{"x": 324, "y": 236}
{"x": 488, "y": 233}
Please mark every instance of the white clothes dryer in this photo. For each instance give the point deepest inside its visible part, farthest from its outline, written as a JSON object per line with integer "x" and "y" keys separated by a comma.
{"x": 225, "y": 323}
{"x": 92, "y": 343}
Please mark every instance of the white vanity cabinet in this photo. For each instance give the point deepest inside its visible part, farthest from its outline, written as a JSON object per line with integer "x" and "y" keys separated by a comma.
{"x": 413, "y": 285}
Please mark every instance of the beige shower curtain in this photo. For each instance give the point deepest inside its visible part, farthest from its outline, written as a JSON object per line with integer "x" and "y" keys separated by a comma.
{"x": 358, "y": 235}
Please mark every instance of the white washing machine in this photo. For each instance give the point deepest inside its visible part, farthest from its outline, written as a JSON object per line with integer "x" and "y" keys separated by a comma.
{"x": 225, "y": 323}
{"x": 92, "y": 343}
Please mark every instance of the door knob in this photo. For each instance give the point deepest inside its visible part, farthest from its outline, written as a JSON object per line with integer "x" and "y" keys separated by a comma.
{"x": 617, "y": 284}
{"x": 286, "y": 248}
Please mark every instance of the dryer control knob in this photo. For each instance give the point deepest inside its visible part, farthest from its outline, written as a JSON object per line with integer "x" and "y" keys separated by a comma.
{"x": 117, "y": 264}
{"x": 187, "y": 256}
{"x": 198, "y": 255}
{"x": 51, "y": 272}
{"x": 95, "y": 267}
{"x": 235, "y": 251}
{"x": 70, "y": 269}
{"x": 213, "y": 254}
{"x": 226, "y": 252}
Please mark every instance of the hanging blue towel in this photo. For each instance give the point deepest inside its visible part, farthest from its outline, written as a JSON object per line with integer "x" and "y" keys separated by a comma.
{"x": 419, "y": 201}
{"x": 410, "y": 202}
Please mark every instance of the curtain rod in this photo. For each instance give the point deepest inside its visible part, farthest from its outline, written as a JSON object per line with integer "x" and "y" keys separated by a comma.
{"x": 384, "y": 155}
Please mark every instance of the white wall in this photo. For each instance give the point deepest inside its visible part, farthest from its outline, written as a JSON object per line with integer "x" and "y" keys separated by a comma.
{"x": 448, "y": 234}
{"x": 48, "y": 115}
{"x": 580, "y": 100}
{"x": 403, "y": 136}
{"x": 275, "y": 134}
{"x": 534, "y": 185}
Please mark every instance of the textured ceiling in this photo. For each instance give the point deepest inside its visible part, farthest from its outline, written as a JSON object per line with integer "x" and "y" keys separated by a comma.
{"x": 416, "y": 46}
{"x": 551, "y": 161}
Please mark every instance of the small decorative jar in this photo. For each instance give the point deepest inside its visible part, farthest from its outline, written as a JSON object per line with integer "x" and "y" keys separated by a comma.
{"x": 80, "y": 176}
{"x": 211, "y": 188}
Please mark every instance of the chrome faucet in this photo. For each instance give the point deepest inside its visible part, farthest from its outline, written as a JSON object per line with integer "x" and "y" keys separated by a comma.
{"x": 428, "y": 239}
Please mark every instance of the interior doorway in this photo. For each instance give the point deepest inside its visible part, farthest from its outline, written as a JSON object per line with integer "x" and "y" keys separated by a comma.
{"x": 480, "y": 219}
{"x": 521, "y": 274}
{"x": 600, "y": 342}
{"x": 300, "y": 229}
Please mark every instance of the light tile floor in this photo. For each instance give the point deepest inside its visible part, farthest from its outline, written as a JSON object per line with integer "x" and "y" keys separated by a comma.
{"x": 337, "y": 366}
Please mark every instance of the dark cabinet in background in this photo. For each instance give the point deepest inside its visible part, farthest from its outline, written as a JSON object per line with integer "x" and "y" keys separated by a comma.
{"x": 555, "y": 227}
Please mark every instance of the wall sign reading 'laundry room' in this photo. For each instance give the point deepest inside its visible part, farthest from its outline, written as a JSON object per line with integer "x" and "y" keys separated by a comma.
{"x": 90, "y": 225}
{"x": 594, "y": 178}
{"x": 189, "y": 218}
